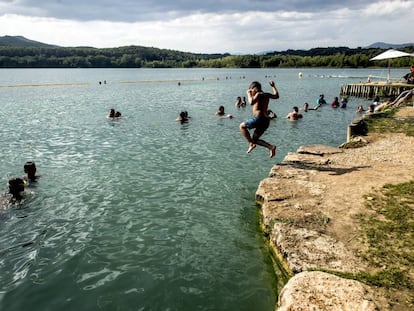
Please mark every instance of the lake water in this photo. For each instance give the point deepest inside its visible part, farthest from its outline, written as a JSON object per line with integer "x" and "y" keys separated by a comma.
{"x": 144, "y": 213}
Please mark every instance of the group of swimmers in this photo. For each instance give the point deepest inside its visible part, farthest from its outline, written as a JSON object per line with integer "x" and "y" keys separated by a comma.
{"x": 294, "y": 114}
{"x": 321, "y": 102}
{"x": 17, "y": 185}
{"x": 240, "y": 102}
{"x": 376, "y": 106}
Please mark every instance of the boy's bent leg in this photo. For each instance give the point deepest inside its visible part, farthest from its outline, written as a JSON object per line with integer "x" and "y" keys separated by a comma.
{"x": 246, "y": 134}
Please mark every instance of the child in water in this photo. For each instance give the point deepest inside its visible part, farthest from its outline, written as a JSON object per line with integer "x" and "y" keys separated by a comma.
{"x": 220, "y": 111}
{"x": 14, "y": 196}
{"x": 221, "y": 114}
{"x": 30, "y": 170}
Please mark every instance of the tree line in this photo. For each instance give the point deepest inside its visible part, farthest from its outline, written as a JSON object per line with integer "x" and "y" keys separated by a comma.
{"x": 145, "y": 57}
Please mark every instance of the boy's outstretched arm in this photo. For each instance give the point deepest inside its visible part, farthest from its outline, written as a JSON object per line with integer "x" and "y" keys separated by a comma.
{"x": 275, "y": 91}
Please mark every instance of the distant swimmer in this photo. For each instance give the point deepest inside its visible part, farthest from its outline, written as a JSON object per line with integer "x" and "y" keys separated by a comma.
{"x": 294, "y": 114}
{"x": 238, "y": 103}
{"x": 320, "y": 102}
{"x": 221, "y": 114}
{"x": 183, "y": 117}
{"x": 111, "y": 114}
{"x": 220, "y": 111}
{"x": 360, "y": 109}
{"x": 344, "y": 102}
{"x": 243, "y": 102}
{"x": 30, "y": 171}
{"x": 335, "y": 103}
{"x": 14, "y": 196}
{"x": 114, "y": 114}
{"x": 259, "y": 101}
{"x": 16, "y": 188}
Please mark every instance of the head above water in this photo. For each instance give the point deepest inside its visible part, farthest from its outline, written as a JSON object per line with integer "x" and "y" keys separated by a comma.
{"x": 16, "y": 185}
{"x": 29, "y": 166}
{"x": 30, "y": 170}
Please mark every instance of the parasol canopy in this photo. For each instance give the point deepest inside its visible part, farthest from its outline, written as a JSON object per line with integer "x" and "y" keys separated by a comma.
{"x": 390, "y": 54}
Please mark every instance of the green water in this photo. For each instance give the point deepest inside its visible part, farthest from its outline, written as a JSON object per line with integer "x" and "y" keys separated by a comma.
{"x": 144, "y": 213}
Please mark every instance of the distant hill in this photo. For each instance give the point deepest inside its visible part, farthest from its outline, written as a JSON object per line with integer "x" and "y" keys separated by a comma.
{"x": 20, "y": 41}
{"x": 383, "y": 45}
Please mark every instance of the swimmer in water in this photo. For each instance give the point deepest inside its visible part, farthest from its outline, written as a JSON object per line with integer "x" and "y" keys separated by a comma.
{"x": 30, "y": 170}
{"x": 294, "y": 114}
{"x": 220, "y": 112}
{"x": 114, "y": 114}
{"x": 16, "y": 188}
{"x": 183, "y": 117}
{"x": 14, "y": 196}
{"x": 111, "y": 114}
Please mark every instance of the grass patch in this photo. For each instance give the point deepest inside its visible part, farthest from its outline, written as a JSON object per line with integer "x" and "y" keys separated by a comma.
{"x": 386, "y": 122}
{"x": 387, "y": 229}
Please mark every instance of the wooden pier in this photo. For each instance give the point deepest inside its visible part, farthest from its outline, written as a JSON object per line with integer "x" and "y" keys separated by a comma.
{"x": 370, "y": 90}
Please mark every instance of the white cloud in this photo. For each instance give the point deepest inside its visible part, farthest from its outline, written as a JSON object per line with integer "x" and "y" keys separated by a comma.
{"x": 389, "y": 9}
{"x": 226, "y": 31}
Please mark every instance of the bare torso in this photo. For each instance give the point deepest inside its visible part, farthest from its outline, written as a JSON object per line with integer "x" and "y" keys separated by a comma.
{"x": 260, "y": 103}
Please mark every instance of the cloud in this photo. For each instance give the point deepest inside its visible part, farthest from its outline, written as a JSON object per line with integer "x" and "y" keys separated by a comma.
{"x": 210, "y": 26}
{"x": 145, "y": 10}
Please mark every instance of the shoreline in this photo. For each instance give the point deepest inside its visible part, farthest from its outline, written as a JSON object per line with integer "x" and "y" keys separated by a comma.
{"x": 309, "y": 204}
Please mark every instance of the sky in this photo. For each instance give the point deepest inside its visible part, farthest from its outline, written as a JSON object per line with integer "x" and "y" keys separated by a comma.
{"x": 210, "y": 26}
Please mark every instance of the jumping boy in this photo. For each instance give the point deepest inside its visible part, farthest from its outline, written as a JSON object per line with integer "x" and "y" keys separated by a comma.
{"x": 259, "y": 101}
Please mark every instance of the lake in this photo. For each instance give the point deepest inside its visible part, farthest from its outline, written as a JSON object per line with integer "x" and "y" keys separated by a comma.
{"x": 145, "y": 213}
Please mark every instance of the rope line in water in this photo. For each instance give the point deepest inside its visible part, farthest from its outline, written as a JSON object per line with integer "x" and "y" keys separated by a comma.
{"x": 45, "y": 84}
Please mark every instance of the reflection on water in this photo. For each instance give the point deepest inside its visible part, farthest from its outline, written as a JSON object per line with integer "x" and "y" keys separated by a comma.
{"x": 145, "y": 213}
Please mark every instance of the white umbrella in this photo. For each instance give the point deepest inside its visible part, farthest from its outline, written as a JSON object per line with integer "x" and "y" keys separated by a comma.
{"x": 389, "y": 54}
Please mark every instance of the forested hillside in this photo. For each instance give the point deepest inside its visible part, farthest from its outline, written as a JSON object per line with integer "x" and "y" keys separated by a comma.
{"x": 47, "y": 56}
